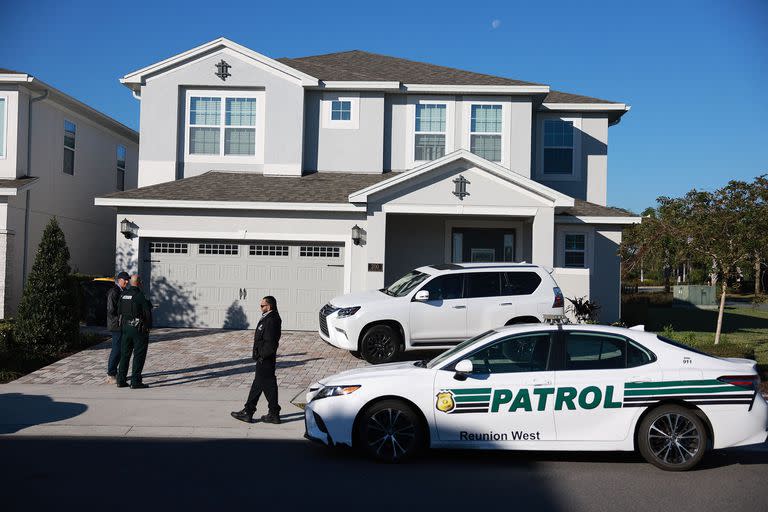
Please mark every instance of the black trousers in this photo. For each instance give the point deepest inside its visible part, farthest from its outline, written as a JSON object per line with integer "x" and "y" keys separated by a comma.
{"x": 264, "y": 381}
{"x": 136, "y": 343}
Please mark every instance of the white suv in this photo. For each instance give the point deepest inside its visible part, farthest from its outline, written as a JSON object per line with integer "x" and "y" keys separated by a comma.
{"x": 438, "y": 306}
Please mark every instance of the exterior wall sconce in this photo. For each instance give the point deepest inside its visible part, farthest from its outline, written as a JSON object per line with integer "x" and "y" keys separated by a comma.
{"x": 357, "y": 234}
{"x": 128, "y": 229}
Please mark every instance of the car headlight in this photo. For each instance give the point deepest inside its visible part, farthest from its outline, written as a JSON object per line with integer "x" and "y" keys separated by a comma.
{"x": 327, "y": 391}
{"x": 345, "y": 312}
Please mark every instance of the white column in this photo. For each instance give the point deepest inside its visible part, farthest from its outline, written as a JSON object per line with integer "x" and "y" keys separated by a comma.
{"x": 375, "y": 238}
{"x": 6, "y": 272}
{"x": 544, "y": 237}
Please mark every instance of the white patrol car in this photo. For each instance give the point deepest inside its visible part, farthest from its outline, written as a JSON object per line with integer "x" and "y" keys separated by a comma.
{"x": 438, "y": 306}
{"x": 547, "y": 387}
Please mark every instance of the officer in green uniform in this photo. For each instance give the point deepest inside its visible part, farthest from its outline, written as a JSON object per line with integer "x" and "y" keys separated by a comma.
{"x": 136, "y": 320}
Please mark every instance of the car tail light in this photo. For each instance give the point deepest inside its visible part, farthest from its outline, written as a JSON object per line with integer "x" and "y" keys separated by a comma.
{"x": 742, "y": 381}
{"x": 559, "y": 299}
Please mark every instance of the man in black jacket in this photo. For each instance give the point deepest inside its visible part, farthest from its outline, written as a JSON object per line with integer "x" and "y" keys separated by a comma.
{"x": 265, "y": 342}
{"x": 113, "y": 324}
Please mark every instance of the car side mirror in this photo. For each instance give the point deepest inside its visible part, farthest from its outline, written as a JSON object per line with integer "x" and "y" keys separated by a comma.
{"x": 463, "y": 368}
{"x": 421, "y": 296}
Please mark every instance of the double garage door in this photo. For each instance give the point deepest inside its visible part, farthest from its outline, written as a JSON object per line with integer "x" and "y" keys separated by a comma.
{"x": 214, "y": 283}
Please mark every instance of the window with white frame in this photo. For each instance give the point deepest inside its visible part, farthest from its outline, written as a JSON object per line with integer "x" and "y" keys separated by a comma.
{"x": 120, "y": 180}
{"x": 341, "y": 110}
{"x": 429, "y": 141}
{"x": 2, "y": 126}
{"x": 70, "y": 132}
{"x": 575, "y": 250}
{"x": 485, "y": 132}
{"x": 222, "y": 125}
{"x": 558, "y": 147}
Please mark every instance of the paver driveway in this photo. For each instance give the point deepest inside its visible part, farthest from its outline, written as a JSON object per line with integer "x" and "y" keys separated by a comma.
{"x": 205, "y": 357}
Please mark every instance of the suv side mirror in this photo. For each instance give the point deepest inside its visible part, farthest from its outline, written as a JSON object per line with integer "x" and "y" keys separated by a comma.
{"x": 421, "y": 296}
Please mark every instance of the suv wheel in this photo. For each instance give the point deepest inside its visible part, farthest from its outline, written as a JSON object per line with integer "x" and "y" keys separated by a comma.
{"x": 672, "y": 438}
{"x": 381, "y": 344}
{"x": 390, "y": 431}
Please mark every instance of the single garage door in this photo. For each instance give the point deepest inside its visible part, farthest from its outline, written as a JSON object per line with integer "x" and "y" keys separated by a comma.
{"x": 214, "y": 283}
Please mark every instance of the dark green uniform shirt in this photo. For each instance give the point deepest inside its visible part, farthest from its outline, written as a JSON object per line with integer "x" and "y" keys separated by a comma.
{"x": 134, "y": 305}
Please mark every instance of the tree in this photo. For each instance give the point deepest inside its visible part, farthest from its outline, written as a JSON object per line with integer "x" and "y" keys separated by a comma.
{"x": 47, "y": 320}
{"x": 757, "y": 220}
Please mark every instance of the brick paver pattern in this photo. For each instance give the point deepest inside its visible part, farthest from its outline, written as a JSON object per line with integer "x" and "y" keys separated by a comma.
{"x": 206, "y": 357}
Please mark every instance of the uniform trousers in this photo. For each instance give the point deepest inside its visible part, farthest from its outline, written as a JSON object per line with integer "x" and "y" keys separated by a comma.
{"x": 134, "y": 342}
{"x": 264, "y": 381}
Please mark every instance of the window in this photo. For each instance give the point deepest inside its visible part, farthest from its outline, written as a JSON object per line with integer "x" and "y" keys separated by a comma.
{"x": 70, "y": 131}
{"x": 341, "y": 110}
{"x": 485, "y": 132}
{"x": 268, "y": 250}
{"x": 519, "y": 283}
{"x": 319, "y": 251}
{"x": 207, "y": 127}
{"x": 558, "y": 146}
{"x": 429, "y": 142}
{"x": 2, "y": 127}
{"x": 121, "y": 152}
{"x": 228, "y": 249}
{"x": 444, "y": 287}
{"x": 575, "y": 250}
{"x": 594, "y": 351}
{"x": 638, "y": 356}
{"x": 168, "y": 247}
{"x": 527, "y": 353}
{"x": 481, "y": 284}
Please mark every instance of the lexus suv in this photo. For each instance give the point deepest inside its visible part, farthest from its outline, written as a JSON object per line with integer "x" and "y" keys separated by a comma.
{"x": 438, "y": 306}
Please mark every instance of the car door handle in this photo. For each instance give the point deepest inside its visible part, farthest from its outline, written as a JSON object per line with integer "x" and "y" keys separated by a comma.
{"x": 537, "y": 383}
{"x": 507, "y": 304}
{"x": 459, "y": 307}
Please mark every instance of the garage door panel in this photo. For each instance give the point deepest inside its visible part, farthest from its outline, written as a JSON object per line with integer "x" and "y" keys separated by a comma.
{"x": 280, "y": 274}
{"x": 257, "y": 273}
{"x": 207, "y": 295}
{"x": 306, "y": 321}
{"x": 306, "y": 297}
{"x": 309, "y": 274}
{"x": 231, "y": 272}
{"x": 207, "y": 272}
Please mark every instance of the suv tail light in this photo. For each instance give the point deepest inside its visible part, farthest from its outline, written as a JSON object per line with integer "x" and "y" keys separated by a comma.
{"x": 743, "y": 381}
{"x": 559, "y": 300}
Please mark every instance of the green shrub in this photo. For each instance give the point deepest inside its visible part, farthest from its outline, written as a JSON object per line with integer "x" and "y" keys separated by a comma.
{"x": 47, "y": 320}
{"x": 6, "y": 338}
{"x": 729, "y": 350}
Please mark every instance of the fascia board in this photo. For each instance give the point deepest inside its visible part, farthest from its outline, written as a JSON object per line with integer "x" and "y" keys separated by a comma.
{"x": 15, "y": 77}
{"x": 585, "y": 219}
{"x": 227, "y": 205}
{"x": 138, "y": 77}
{"x": 359, "y": 85}
{"x": 477, "y": 89}
{"x": 597, "y": 107}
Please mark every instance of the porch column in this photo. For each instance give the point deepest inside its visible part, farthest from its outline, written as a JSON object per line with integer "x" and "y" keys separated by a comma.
{"x": 543, "y": 243}
{"x": 376, "y": 234}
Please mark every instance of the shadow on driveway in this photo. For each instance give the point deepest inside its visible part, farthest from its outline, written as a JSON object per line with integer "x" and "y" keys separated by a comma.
{"x": 20, "y": 411}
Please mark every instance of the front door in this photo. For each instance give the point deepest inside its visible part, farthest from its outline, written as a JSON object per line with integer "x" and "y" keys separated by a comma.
{"x": 481, "y": 245}
{"x": 442, "y": 319}
{"x": 507, "y": 400}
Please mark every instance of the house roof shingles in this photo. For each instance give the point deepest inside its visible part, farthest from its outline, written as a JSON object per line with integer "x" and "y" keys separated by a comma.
{"x": 583, "y": 208}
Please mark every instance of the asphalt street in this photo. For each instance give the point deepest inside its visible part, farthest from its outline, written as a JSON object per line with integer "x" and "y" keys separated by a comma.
{"x": 187, "y": 474}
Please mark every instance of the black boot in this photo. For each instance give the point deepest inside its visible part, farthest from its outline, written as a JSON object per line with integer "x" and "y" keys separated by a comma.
{"x": 122, "y": 384}
{"x": 271, "y": 418}
{"x": 139, "y": 385}
{"x": 244, "y": 415}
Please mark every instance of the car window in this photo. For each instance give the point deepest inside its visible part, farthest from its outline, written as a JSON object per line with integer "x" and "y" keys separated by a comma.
{"x": 458, "y": 348}
{"x": 528, "y": 353}
{"x": 406, "y": 283}
{"x": 594, "y": 351}
{"x": 519, "y": 283}
{"x": 444, "y": 287}
{"x": 482, "y": 284}
{"x": 638, "y": 356}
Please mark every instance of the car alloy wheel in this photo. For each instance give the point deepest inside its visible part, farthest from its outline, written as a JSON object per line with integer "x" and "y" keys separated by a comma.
{"x": 390, "y": 431}
{"x": 380, "y": 345}
{"x": 672, "y": 438}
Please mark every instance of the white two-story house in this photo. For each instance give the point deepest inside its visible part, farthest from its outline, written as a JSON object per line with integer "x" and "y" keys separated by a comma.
{"x": 56, "y": 155}
{"x": 305, "y": 178}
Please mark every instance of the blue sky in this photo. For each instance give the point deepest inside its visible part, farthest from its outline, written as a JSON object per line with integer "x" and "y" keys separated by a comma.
{"x": 694, "y": 72}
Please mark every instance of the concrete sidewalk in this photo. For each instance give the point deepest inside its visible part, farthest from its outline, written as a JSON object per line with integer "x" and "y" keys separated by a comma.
{"x": 163, "y": 412}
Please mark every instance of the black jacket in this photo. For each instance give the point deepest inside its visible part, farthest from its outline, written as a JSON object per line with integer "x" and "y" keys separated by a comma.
{"x": 266, "y": 337}
{"x": 113, "y": 317}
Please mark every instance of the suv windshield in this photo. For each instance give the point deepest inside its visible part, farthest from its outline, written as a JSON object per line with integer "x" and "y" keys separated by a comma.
{"x": 406, "y": 283}
{"x": 458, "y": 348}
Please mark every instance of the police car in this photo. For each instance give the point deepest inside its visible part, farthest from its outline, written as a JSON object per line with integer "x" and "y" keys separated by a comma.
{"x": 547, "y": 387}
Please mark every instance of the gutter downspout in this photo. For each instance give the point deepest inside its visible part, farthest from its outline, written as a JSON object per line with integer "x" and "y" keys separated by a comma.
{"x": 27, "y": 196}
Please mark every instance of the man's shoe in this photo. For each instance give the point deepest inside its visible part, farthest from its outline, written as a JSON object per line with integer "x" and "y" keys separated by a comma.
{"x": 243, "y": 416}
{"x": 111, "y": 379}
{"x": 271, "y": 418}
{"x": 140, "y": 385}
{"x": 122, "y": 384}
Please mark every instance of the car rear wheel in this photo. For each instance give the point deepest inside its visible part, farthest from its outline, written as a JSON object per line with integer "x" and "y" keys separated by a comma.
{"x": 381, "y": 344}
{"x": 672, "y": 438}
{"x": 390, "y": 431}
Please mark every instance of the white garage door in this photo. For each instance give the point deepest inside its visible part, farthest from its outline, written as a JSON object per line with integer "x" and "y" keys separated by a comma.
{"x": 212, "y": 283}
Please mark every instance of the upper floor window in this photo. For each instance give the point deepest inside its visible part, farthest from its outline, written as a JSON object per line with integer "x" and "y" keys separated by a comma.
{"x": 341, "y": 110}
{"x": 575, "y": 250}
{"x": 558, "y": 146}
{"x": 429, "y": 142}
{"x": 2, "y": 127}
{"x": 121, "y": 154}
{"x": 485, "y": 132}
{"x": 208, "y": 127}
{"x": 70, "y": 133}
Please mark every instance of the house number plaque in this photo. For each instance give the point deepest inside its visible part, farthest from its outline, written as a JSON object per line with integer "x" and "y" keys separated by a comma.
{"x": 375, "y": 267}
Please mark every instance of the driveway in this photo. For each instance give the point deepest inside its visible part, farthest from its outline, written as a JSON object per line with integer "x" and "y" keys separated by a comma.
{"x": 205, "y": 357}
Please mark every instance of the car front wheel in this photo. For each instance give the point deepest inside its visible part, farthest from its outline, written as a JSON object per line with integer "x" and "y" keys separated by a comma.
{"x": 672, "y": 438}
{"x": 381, "y": 344}
{"x": 390, "y": 431}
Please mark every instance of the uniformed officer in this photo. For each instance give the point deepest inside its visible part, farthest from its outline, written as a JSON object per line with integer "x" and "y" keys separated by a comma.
{"x": 135, "y": 320}
{"x": 265, "y": 342}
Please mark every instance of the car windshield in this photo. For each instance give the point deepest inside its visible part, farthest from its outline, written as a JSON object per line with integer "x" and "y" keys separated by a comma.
{"x": 458, "y": 348}
{"x": 406, "y": 283}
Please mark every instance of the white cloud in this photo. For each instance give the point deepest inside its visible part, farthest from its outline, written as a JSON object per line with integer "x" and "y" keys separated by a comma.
{"x": 495, "y": 24}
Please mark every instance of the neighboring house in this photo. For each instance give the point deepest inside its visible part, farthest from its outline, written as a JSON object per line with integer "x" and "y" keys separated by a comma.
{"x": 56, "y": 155}
{"x": 306, "y": 178}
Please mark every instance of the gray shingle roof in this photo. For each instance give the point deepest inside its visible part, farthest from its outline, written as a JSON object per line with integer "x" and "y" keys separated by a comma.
{"x": 583, "y": 208}
{"x": 564, "y": 97}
